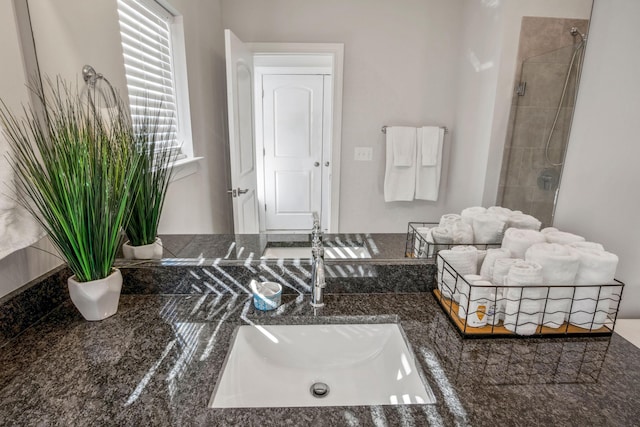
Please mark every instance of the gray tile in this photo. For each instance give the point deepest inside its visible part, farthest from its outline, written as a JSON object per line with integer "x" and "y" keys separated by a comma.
{"x": 529, "y": 177}
{"x": 547, "y": 81}
{"x": 515, "y": 166}
{"x": 535, "y": 157}
{"x": 517, "y": 197}
{"x": 544, "y": 196}
{"x": 505, "y": 165}
{"x": 539, "y": 35}
{"x": 530, "y": 128}
{"x": 543, "y": 211}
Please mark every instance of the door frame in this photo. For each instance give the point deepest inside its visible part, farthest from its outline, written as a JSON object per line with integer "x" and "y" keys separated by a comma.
{"x": 335, "y": 51}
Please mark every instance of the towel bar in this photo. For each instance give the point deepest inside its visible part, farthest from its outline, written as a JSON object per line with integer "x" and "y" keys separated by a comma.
{"x": 384, "y": 129}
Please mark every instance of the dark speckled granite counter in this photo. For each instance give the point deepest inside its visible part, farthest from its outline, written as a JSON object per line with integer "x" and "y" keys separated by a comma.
{"x": 240, "y": 247}
{"x": 221, "y": 255}
{"x": 157, "y": 360}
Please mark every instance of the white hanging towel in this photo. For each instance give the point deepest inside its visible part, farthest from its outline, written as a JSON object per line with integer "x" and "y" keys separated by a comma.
{"x": 400, "y": 171}
{"x": 430, "y": 142}
{"x": 18, "y": 229}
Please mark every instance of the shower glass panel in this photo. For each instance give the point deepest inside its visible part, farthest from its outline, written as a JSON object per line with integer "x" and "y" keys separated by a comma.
{"x": 539, "y": 130}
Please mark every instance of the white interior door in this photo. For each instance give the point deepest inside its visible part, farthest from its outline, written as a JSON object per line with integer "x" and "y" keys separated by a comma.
{"x": 293, "y": 155}
{"x": 239, "y": 61}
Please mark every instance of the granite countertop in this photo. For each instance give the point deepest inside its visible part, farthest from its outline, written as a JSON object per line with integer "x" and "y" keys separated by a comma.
{"x": 241, "y": 247}
{"x": 157, "y": 360}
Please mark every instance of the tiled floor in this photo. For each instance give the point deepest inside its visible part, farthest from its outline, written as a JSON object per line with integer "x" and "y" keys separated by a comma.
{"x": 629, "y": 329}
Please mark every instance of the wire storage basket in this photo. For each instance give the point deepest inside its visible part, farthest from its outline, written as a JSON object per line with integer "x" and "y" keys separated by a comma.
{"x": 417, "y": 245}
{"x": 525, "y": 311}
{"x": 518, "y": 362}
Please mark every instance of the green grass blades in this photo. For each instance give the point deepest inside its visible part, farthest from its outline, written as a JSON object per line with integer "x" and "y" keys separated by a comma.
{"x": 151, "y": 134}
{"x": 75, "y": 168}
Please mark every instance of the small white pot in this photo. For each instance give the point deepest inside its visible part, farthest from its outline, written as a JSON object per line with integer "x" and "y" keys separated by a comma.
{"x": 151, "y": 251}
{"x": 97, "y": 299}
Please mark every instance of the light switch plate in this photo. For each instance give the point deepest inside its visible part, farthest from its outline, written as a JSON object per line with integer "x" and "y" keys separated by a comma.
{"x": 363, "y": 154}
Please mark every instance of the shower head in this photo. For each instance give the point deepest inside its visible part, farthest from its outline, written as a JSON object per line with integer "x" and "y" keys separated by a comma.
{"x": 575, "y": 32}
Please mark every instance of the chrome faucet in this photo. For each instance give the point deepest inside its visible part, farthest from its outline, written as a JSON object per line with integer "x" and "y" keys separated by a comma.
{"x": 317, "y": 267}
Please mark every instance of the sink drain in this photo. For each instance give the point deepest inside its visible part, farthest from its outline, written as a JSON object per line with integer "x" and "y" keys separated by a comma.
{"x": 319, "y": 390}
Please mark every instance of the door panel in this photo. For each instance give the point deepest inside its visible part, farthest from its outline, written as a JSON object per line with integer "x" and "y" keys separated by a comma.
{"x": 293, "y": 129}
{"x": 245, "y": 120}
{"x": 247, "y": 209}
{"x": 293, "y": 182}
{"x": 293, "y": 110}
{"x": 239, "y": 64}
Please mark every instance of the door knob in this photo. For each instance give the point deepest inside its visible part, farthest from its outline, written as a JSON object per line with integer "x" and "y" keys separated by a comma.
{"x": 242, "y": 191}
{"x": 326, "y": 163}
{"x": 316, "y": 164}
{"x": 232, "y": 192}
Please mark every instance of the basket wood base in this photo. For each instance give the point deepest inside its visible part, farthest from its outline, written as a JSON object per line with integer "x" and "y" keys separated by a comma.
{"x": 450, "y": 308}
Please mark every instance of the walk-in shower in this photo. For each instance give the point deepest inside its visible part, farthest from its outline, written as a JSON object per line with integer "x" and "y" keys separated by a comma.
{"x": 547, "y": 81}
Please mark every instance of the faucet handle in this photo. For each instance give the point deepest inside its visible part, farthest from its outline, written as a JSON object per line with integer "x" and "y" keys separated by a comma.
{"x": 316, "y": 220}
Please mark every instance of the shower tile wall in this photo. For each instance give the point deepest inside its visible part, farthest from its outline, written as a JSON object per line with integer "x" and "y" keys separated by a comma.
{"x": 544, "y": 54}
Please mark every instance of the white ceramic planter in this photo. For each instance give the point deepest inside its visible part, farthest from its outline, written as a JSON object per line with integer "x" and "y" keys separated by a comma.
{"x": 98, "y": 299}
{"x": 152, "y": 251}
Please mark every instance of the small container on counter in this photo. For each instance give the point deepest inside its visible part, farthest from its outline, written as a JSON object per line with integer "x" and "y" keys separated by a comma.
{"x": 266, "y": 295}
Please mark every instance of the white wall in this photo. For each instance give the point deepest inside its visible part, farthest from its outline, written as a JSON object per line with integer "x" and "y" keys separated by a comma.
{"x": 599, "y": 191}
{"x": 399, "y": 68}
{"x": 478, "y": 69}
{"x": 199, "y": 203}
{"x": 71, "y": 33}
{"x": 24, "y": 265}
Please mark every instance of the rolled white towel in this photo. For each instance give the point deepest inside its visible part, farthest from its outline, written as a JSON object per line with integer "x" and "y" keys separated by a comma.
{"x": 586, "y": 245}
{"x": 469, "y": 213}
{"x": 559, "y": 267}
{"x": 499, "y": 210}
{"x": 442, "y": 235}
{"x": 441, "y": 238}
{"x": 524, "y": 304}
{"x": 591, "y": 303}
{"x": 523, "y": 221}
{"x": 462, "y": 233}
{"x": 465, "y": 289}
{"x": 488, "y": 228}
{"x": 420, "y": 242}
{"x": 462, "y": 260}
{"x": 596, "y": 266}
{"x": 480, "y": 301}
{"x": 562, "y": 237}
{"x": 482, "y": 254}
{"x": 518, "y": 241}
{"x": 431, "y": 245}
{"x": 447, "y": 220}
{"x": 501, "y": 268}
{"x": 548, "y": 230}
{"x": 486, "y": 271}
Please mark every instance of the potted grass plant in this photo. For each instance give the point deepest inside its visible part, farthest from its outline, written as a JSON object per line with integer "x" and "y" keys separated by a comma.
{"x": 155, "y": 167}
{"x": 75, "y": 170}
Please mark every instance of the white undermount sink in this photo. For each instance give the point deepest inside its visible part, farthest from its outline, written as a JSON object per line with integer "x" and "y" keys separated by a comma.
{"x": 330, "y": 252}
{"x": 319, "y": 365}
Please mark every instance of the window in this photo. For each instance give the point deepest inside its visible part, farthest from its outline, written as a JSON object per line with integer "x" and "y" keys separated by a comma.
{"x": 155, "y": 65}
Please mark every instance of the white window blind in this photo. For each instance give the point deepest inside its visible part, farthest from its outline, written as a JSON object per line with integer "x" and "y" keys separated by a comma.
{"x": 145, "y": 30}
